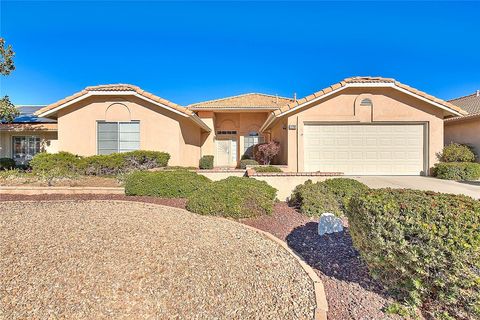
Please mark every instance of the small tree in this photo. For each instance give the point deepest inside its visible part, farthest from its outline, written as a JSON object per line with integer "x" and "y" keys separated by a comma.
{"x": 267, "y": 151}
{"x": 8, "y": 111}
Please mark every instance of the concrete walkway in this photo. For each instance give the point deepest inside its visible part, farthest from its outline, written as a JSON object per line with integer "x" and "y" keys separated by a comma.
{"x": 285, "y": 185}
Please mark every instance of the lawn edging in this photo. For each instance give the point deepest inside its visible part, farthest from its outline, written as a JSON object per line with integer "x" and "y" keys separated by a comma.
{"x": 321, "y": 308}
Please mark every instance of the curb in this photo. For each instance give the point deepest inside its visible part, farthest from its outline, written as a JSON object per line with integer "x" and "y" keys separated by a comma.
{"x": 21, "y": 190}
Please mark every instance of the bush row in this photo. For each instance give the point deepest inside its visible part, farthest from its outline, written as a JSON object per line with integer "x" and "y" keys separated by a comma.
{"x": 112, "y": 164}
{"x": 232, "y": 197}
{"x": 331, "y": 195}
{"x": 7, "y": 164}
{"x": 457, "y": 170}
{"x": 423, "y": 246}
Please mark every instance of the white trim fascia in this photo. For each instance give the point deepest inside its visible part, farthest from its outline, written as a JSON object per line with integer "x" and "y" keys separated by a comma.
{"x": 199, "y": 121}
{"x": 160, "y": 104}
{"x": 370, "y": 85}
{"x": 49, "y": 112}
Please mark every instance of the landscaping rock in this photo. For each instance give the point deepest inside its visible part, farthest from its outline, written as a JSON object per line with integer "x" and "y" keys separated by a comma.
{"x": 328, "y": 223}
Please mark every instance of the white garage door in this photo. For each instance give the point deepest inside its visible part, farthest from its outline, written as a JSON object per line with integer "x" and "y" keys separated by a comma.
{"x": 364, "y": 149}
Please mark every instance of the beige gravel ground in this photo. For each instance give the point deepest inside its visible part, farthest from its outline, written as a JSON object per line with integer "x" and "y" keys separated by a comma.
{"x": 119, "y": 260}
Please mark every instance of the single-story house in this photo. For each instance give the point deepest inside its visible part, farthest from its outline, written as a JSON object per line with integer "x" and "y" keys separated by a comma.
{"x": 465, "y": 129}
{"x": 359, "y": 126}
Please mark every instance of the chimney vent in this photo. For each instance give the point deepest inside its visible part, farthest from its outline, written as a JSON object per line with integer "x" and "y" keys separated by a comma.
{"x": 294, "y": 97}
{"x": 478, "y": 93}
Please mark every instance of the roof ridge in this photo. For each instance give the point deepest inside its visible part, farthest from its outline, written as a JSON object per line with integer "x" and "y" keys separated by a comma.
{"x": 238, "y": 96}
{"x": 99, "y": 86}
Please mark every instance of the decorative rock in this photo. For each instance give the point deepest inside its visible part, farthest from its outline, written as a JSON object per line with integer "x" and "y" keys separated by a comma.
{"x": 328, "y": 223}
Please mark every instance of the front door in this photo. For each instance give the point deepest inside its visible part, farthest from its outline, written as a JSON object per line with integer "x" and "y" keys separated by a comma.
{"x": 226, "y": 153}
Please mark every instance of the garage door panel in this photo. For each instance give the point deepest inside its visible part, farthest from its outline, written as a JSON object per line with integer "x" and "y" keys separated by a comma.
{"x": 364, "y": 149}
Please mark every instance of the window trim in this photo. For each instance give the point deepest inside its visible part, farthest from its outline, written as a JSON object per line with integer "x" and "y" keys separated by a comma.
{"x": 118, "y": 131}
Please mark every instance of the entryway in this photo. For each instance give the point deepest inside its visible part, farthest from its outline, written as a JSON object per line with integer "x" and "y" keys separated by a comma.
{"x": 225, "y": 153}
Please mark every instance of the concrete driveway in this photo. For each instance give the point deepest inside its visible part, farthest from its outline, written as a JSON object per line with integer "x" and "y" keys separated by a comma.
{"x": 285, "y": 185}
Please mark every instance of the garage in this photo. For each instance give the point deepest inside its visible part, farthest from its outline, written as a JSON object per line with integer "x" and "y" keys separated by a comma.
{"x": 365, "y": 149}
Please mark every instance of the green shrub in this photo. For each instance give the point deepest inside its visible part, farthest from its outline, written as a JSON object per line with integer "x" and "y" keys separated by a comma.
{"x": 245, "y": 157}
{"x": 457, "y": 153}
{"x": 344, "y": 189}
{"x": 267, "y": 169}
{"x": 423, "y": 246}
{"x": 233, "y": 197}
{"x": 62, "y": 163}
{"x": 247, "y": 162}
{"x": 165, "y": 184}
{"x": 7, "y": 164}
{"x": 457, "y": 170}
{"x": 313, "y": 199}
{"x": 206, "y": 162}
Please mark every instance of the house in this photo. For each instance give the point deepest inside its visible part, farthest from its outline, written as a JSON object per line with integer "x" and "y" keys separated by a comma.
{"x": 28, "y": 135}
{"x": 359, "y": 126}
{"x": 465, "y": 129}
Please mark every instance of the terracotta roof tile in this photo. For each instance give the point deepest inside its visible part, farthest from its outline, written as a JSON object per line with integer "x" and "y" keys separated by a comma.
{"x": 249, "y": 100}
{"x": 470, "y": 103}
{"x": 347, "y": 81}
{"x": 116, "y": 87}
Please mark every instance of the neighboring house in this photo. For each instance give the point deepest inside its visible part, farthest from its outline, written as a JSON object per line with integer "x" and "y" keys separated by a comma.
{"x": 466, "y": 129}
{"x": 28, "y": 135}
{"x": 359, "y": 126}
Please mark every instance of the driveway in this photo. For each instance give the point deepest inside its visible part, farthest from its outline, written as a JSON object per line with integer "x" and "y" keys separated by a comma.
{"x": 285, "y": 185}
{"x": 126, "y": 260}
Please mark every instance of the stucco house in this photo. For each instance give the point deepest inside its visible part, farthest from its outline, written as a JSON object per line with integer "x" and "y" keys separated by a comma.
{"x": 359, "y": 126}
{"x": 465, "y": 129}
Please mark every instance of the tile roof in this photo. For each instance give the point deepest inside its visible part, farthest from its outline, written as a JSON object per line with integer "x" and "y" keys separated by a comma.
{"x": 470, "y": 103}
{"x": 116, "y": 87}
{"x": 248, "y": 100}
{"x": 361, "y": 80}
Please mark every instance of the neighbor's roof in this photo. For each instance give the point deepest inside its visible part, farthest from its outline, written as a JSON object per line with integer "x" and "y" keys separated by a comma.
{"x": 27, "y": 115}
{"x": 361, "y": 82}
{"x": 470, "y": 103}
{"x": 243, "y": 101}
{"x": 119, "y": 89}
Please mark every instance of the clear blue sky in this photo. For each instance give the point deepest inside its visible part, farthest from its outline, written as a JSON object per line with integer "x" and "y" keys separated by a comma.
{"x": 193, "y": 51}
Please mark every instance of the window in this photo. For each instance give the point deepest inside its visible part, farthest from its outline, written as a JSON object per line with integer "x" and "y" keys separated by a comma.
{"x": 367, "y": 102}
{"x": 24, "y": 148}
{"x": 249, "y": 141}
{"x": 117, "y": 137}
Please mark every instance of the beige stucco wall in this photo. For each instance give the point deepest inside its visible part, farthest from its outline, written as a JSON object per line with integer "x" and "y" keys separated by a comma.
{"x": 243, "y": 122}
{"x": 48, "y": 140}
{"x": 389, "y": 106}
{"x": 464, "y": 132}
{"x": 160, "y": 129}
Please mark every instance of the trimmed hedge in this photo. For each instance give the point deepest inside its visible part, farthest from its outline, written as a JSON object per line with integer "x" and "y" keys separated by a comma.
{"x": 111, "y": 164}
{"x": 247, "y": 162}
{"x": 313, "y": 199}
{"x": 233, "y": 197}
{"x": 457, "y": 153}
{"x": 7, "y": 163}
{"x": 267, "y": 169}
{"x": 344, "y": 189}
{"x": 165, "y": 184}
{"x": 206, "y": 162}
{"x": 61, "y": 162}
{"x": 423, "y": 246}
{"x": 457, "y": 170}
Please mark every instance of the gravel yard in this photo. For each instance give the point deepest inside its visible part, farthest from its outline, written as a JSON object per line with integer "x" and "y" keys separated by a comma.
{"x": 111, "y": 259}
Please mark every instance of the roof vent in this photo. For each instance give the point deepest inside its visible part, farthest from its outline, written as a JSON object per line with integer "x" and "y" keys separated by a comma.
{"x": 478, "y": 93}
{"x": 367, "y": 102}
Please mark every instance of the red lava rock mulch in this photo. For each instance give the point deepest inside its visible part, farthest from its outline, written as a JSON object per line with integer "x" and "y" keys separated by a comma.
{"x": 351, "y": 292}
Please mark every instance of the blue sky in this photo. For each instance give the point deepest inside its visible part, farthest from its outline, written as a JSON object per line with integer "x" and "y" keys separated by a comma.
{"x": 193, "y": 51}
